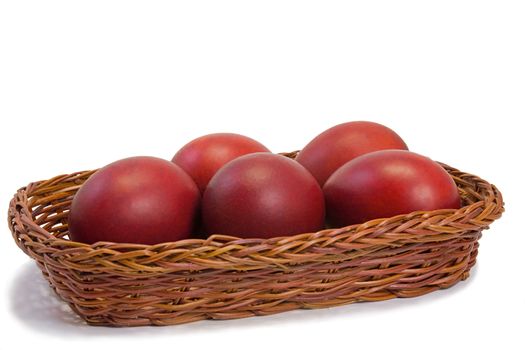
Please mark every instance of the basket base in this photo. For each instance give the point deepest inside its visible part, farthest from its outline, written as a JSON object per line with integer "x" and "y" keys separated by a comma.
{"x": 396, "y": 288}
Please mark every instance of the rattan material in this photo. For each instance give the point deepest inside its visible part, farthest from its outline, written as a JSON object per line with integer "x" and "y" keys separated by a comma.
{"x": 224, "y": 277}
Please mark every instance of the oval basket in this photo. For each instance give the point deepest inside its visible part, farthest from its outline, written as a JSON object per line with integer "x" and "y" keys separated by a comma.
{"x": 225, "y": 277}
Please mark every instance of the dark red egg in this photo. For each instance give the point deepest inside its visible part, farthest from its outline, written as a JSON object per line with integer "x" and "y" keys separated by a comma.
{"x": 202, "y": 157}
{"x": 135, "y": 200}
{"x": 262, "y": 195}
{"x": 334, "y": 147}
{"x": 387, "y": 183}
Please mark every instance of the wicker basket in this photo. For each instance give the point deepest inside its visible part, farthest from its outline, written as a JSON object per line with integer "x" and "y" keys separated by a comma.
{"x": 224, "y": 277}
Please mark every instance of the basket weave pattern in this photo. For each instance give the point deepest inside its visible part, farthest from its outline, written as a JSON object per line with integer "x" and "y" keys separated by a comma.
{"x": 224, "y": 277}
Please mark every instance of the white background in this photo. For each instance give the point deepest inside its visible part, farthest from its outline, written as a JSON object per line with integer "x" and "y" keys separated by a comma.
{"x": 84, "y": 83}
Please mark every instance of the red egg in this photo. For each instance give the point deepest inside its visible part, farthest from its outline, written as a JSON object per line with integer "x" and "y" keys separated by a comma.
{"x": 262, "y": 195}
{"x": 202, "y": 157}
{"x": 135, "y": 200}
{"x": 387, "y": 183}
{"x": 344, "y": 142}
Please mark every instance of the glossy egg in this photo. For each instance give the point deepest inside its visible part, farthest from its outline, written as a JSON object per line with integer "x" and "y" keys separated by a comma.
{"x": 202, "y": 157}
{"x": 387, "y": 183}
{"x": 135, "y": 200}
{"x": 262, "y": 195}
{"x": 334, "y": 147}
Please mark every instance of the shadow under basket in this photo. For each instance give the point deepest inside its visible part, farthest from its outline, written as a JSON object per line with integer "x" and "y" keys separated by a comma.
{"x": 225, "y": 277}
